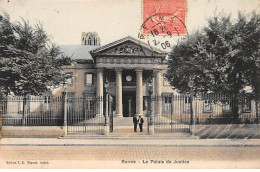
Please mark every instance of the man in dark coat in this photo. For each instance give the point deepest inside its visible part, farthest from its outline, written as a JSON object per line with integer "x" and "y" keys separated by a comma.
{"x": 141, "y": 121}
{"x": 135, "y": 123}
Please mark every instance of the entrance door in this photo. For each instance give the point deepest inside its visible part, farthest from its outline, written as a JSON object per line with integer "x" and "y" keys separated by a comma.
{"x": 129, "y": 104}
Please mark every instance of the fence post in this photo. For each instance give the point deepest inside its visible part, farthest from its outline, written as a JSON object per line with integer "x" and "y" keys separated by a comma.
{"x": 110, "y": 114}
{"x": 106, "y": 126}
{"x": 191, "y": 115}
{"x": 65, "y": 112}
{"x": 192, "y": 124}
{"x": 256, "y": 110}
{"x": 171, "y": 101}
{"x": 106, "y": 112}
{"x": 195, "y": 113}
{"x": 151, "y": 127}
{"x": 151, "y": 123}
{"x": 24, "y": 111}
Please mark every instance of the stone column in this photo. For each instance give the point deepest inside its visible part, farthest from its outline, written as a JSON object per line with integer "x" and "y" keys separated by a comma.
{"x": 158, "y": 91}
{"x": 119, "y": 108}
{"x": 139, "y": 92}
{"x": 99, "y": 93}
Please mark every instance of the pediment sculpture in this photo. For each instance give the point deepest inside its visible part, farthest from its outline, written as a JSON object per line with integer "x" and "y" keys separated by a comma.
{"x": 126, "y": 49}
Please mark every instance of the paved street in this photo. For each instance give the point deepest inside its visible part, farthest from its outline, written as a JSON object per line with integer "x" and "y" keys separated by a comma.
{"x": 130, "y": 155}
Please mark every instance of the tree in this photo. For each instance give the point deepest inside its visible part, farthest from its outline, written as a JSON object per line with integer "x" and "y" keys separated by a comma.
{"x": 223, "y": 57}
{"x": 29, "y": 62}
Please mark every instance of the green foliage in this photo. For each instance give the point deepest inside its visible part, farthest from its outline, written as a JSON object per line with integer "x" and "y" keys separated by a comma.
{"x": 29, "y": 62}
{"x": 223, "y": 57}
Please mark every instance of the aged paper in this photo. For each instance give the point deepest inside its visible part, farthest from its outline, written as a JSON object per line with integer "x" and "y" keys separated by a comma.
{"x": 120, "y": 32}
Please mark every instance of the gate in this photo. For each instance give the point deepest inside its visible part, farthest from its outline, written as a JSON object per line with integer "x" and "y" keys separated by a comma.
{"x": 175, "y": 114}
{"x": 83, "y": 115}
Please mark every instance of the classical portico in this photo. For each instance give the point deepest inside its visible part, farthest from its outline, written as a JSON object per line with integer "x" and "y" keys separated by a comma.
{"x": 129, "y": 64}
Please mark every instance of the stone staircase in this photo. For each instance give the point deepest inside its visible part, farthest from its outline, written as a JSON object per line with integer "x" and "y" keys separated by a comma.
{"x": 123, "y": 121}
{"x": 125, "y": 125}
{"x": 131, "y": 135}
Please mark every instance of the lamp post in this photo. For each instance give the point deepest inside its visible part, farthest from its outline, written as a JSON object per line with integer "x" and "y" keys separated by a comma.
{"x": 192, "y": 121}
{"x": 150, "y": 91}
{"x": 150, "y": 124}
{"x": 65, "y": 112}
{"x": 106, "y": 85}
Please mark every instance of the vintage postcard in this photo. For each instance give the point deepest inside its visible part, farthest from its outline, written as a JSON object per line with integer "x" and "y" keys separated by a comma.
{"x": 129, "y": 84}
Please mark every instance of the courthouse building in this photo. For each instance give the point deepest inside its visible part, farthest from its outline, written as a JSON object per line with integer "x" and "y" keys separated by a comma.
{"x": 134, "y": 72}
{"x": 133, "y": 69}
{"x": 130, "y": 72}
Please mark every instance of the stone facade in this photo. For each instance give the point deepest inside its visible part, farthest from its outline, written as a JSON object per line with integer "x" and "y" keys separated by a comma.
{"x": 129, "y": 66}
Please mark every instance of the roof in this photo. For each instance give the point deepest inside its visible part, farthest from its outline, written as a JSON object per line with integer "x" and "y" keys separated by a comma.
{"x": 129, "y": 38}
{"x": 84, "y": 61}
{"x": 78, "y": 51}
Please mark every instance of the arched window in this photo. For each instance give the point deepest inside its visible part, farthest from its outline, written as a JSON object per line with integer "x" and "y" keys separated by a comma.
{"x": 89, "y": 41}
{"x": 94, "y": 41}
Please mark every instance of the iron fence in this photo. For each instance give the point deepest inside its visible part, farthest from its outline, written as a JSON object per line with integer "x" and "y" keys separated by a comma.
{"x": 85, "y": 115}
{"x": 178, "y": 111}
{"x": 31, "y": 111}
{"x": 173, "y": 116}
{"x": 225, "y": 109}
{"x": 170, "y": 113}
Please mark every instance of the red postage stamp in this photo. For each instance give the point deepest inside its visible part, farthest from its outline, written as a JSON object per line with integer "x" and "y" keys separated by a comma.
{"x": 164, "y": 17}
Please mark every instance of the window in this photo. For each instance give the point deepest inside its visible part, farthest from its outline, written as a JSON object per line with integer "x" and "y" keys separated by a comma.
{"x": 3, "y": 110}
{"x": 89, "y": 41}
{"x": 89, "y": 105}
{"x": 246, "y": 106}
{"x": 88, "y": 79}
{"x": 20, "y": 106}
{"x": 71, "y": 94}
{"x": 167, "y": 100}
{"x": 146, "y": 101}
{"x": 94, "y": 41}
{"x": 167, "y": 97}
{"x": 71, "y": 102}
{"x": 70, "y": 79}
{"x": 165, "y": 81}
{"x": 186, "y": 108}
{"x": 47, "y": 103}
{"x": 207, "y": 107}
{"x": 226, "y": 107}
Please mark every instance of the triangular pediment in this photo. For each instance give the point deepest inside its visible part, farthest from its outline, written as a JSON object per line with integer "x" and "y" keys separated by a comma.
{"x": 127, "y": 47}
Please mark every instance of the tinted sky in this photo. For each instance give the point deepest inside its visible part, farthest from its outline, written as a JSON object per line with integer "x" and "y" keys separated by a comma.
{"x": 64, "y": 20}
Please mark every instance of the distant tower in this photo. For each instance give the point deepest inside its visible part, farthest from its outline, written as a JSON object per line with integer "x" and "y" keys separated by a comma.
{"x": 90, "y": 38}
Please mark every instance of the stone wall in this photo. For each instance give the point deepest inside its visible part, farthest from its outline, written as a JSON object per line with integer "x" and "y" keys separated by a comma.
{"x": 32, "y": 131}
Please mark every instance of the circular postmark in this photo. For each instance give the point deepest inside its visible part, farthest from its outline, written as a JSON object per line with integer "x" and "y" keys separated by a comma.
{"x": 163, "y": 31}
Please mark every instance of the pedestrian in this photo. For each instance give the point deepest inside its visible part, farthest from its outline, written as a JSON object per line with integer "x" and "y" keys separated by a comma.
{"x": 141, "y": 121}
{"x": 135, "y": 123}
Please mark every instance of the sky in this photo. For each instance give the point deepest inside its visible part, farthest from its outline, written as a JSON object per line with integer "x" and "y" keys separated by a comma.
{"x": 65, "y": 20}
